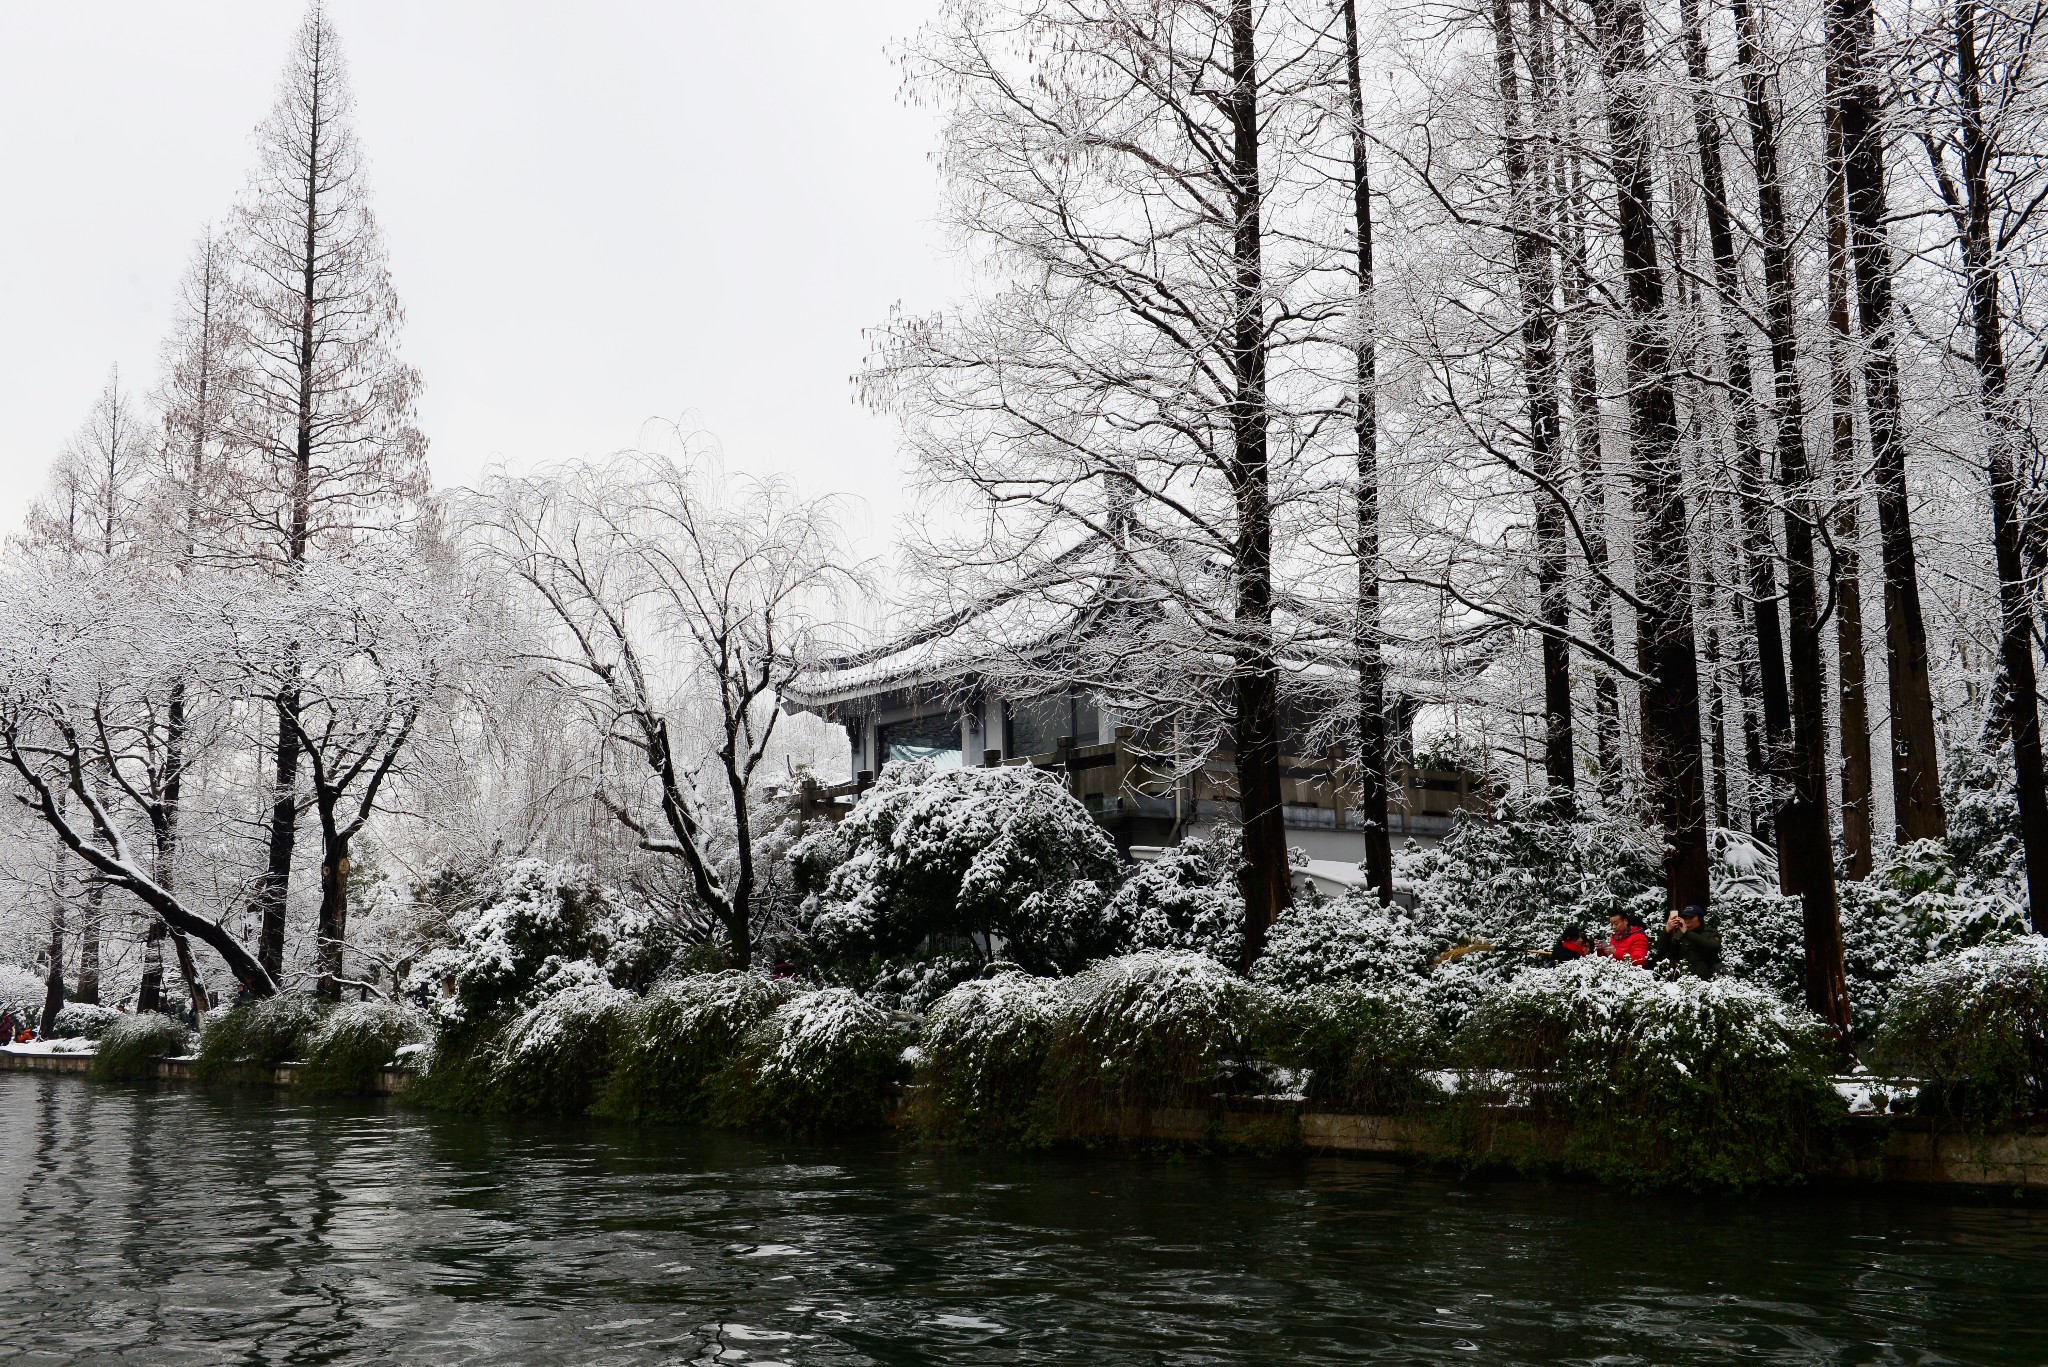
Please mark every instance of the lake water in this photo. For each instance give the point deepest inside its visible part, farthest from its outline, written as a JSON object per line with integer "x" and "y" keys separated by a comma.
{"x": 179, "y": 1226}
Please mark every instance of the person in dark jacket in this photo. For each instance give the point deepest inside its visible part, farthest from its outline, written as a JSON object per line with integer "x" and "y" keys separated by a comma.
{"x": 1573, "y": 944}
{"x": 1688, "y": 941}
{"x": 1628, "y": 942}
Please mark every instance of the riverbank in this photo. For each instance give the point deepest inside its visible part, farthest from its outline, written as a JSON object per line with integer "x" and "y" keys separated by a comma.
{"x": 1894, "y": 1150}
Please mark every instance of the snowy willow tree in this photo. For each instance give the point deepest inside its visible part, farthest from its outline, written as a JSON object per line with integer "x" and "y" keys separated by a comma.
{"x": 1126, "y": 409}
{"x": 672, "y": 607}
{"x": 320, "y": 425}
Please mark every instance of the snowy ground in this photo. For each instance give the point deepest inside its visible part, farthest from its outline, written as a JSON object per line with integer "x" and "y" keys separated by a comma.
{"x": 50, "y": 1046}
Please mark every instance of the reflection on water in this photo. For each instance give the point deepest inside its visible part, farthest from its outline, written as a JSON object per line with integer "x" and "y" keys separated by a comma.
{"x": 189, "y": 1227}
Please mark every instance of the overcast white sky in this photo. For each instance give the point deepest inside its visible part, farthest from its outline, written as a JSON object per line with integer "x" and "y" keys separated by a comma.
{"x": 599, "y": 214}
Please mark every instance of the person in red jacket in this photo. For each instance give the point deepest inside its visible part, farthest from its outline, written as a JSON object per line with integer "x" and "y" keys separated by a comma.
{"x": 1629, "y": 941}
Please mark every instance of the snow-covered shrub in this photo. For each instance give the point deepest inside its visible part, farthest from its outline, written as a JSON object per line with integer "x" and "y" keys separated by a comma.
{"x": 556, "y": 1055}
{"x": 1763, "y": 939}
{"x": 825, "y": 1060}
{"x": 960, "y": 855}
{"x": 129, "y": 1051}
{"x": 257, "y": 1035}
{"x": 1351, "y": 940}
{"x": 914, "y": 984}
{"x": 1185, "y": 901}
{"x": 21, "y": 992}
{"x": 345, "y": 1051}
{"x": 83, "y": 1020}
{"x": 1365, "y": 1048}
{"x": 1913, "y": 910}
{"x": 1973, "y": 1026}
{"x": 545, "y": 928}
{"x": 1142, "y": 1031}
{"x": 1656, "y": 1081}
{"x": 1983, "y": 809}
{"x": 674, "y": 1044}
{"x": 1517, "y": 878}
{"x": 981, "y": 1059}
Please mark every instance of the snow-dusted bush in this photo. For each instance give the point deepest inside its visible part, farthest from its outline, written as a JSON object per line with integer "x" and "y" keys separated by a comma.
{"x": 1656, "y": 1081}
{"x": 556, "y": 1055}
{"x": 83, "y": 1020}
{"x": 1914, "y": 910}
{"x": 129, "y": 1051}
{"x": 1185, "y": 901}
{"x": 1517, "y": 878}
{"x": 1973, "y": 1026}
{"x": 1142, "y": 1031}
{"x": 345, "y": 1051}
{"x": 962, "y": 855}
{"x": 21, "y": 992}
{"x": 545, "y": 928}
{"x": 981, "y": 1059}
{"x": 674, "y": 1044}
{"x": 825, "y": 1060}
{"x": 1363, "y": 1048}
{"x": 257, "y": 1034}
{"x": 914, "y": 984}
{"x": 1763, "y": 939}
{"x": 1351, "y": 940}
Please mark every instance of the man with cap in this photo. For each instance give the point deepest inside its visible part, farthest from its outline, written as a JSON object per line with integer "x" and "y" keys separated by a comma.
{"x": 1688, "y": 941}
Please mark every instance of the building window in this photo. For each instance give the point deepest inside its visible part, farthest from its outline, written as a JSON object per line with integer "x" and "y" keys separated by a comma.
{"x": 1037, "y": 725}
{"x": 936, "y": 739}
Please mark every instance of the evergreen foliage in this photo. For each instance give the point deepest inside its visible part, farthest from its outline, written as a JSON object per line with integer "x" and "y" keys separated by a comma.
{"x": 981, "y": 1063}
{"x": 1363, "y": 1048}
{"x": 674, "y": 1045}
{"x": 257, "y": 1036}
{"x": 83, "y": 1020}
{"x": 129, "y": 1050}
{"x": 556, "y": 1055}
{"x": 355, "y": 1041}
{"x": 1657, "y": 1082}
{"x": 960, "y": 855}
{"x": 822, "y": 1061}
{"x": 1140, "y": 1032}
{"x": 1352, "y": 940}
{"x": 1186, "y": 901}
{"x": 1973, "y": 1026}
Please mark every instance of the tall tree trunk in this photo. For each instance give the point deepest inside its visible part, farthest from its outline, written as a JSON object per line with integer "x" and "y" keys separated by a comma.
{"x": 333, "y": 920}
{"x": 1582, "y": 370}
{"x": 90, "y": 930}
{"x": 1916, "y": 774}
{"x": 150, "y": 995}
{"x": 1717, "y": 724}
{"x": 1805, "y": 852}
{"x": 1540, "y": 385}
{"x": 1846, "y": 543}
{"x": 1664, "y": 625}
{"x": 53, "y": 981}
{"x": 1757, "y": 551}
{"x": 1372, "y": 669}
{"x": 2004, "y": 433}
{"x": 1265, "y": 879}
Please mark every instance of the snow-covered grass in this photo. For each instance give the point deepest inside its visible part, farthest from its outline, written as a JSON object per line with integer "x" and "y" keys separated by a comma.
{"x": 675, "y": 1044}
{"x": 257, "y": 1034}
{"x": 823, "y": 1060}
{"x": 981, "y": 1062}
{"x": 128, "y": 1052}
{"x": 1974, "y": 1027}
{"x": 1658, "y": 1081}
{"x": 345, "y": 1050}
{"x": 1142, "y": 1031}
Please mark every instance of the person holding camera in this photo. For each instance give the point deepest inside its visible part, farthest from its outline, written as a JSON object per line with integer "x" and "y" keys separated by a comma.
{"x": 1688, "y": 941}
{"x": 1627, "y": 942}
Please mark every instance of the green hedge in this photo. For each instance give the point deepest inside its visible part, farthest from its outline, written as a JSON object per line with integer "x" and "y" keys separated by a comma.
{"x": 673, "y": 1046}
{"x": 355, "y": 1042}
{"x": 1974, "y": 1027}
{"x": 131, "y": 1046}
{"x": 257, "y": 1036}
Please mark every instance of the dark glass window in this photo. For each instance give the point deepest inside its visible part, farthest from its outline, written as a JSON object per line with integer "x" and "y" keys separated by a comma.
{"x": 1037, "y": 725}
{"x": 934, "y": 738}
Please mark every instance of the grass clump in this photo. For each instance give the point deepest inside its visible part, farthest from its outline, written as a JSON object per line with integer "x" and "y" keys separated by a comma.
{"x": 1141, "y": 1032}
{"x": 674, "y": 1045}
{"x": 1656, "y": 1082}
{"x": 354, "y": 1043}
{"x": 980, "y": 1064}
{"x": 1973, "y": 1026}
{"x": 257, "y": 1036}
{"x": 131, "y": 1046}
{"x": 556, "y": 1056}
{"x": 1362, "y": 1049}
{"x": 825, "y": 1060}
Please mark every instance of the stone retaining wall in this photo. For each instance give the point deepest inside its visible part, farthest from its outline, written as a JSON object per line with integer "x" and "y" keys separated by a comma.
{"x": 388, "y": 1082}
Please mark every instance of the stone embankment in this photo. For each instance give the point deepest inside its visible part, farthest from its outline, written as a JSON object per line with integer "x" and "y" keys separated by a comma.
{"x": 1889, "y": 1149}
